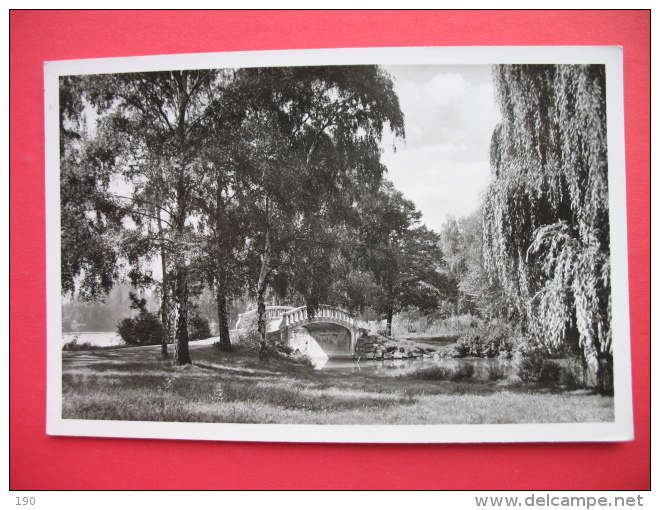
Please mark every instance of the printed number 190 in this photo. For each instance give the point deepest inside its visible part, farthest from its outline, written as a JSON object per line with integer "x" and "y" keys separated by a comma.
{"x": 25, "y": 501}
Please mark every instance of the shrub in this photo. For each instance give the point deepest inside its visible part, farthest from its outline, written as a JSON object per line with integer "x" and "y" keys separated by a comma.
{"x": 463, "y": 371}
{"x": 461, "y": 348}
{"x": 303, "y": 359}
{"x": 498, "y": 339}
{"x": 247, "y": 336}
{"x": 198, "y": 327}
{"x": 572, "y": 374}
{"x": 143, "y": 329}
{"x": 73, "y": 345}
{"x": 491, "y": 340}
{"x": 284, "y": 349}
{"x": 496, "y": 372}
{"x": 508, "y": 346}
{"x": 535, "y": 367}
{"x": 432, "y": 373}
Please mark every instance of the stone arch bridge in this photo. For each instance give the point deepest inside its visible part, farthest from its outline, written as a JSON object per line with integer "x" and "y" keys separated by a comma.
{"x": 331, "y": 332}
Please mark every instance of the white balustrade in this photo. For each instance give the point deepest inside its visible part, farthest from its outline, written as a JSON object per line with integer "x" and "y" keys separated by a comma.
{"x": 291, "y": 316}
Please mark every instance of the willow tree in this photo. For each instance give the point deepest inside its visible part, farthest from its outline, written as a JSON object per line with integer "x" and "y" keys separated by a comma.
{"x": 546, "y": 216}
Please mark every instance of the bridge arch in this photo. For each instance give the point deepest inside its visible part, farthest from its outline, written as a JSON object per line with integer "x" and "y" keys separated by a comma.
{"x": 330, "y": 332}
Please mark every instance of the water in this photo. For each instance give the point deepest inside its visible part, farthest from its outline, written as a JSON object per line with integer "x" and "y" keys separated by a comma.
{"x": 95, "y": 338}
{"x": 396, "y": 367}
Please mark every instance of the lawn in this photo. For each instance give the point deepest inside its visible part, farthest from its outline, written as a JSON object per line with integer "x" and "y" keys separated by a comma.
{"x": 135, "y": 384}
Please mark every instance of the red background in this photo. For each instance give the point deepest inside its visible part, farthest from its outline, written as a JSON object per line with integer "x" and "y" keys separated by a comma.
{"x": 38, "y": 461}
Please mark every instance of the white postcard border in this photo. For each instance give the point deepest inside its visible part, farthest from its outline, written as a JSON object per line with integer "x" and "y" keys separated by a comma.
{"x": 620, "y": 429}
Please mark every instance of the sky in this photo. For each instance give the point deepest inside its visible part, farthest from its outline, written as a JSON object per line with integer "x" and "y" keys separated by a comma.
{"x": 450, "y": 113}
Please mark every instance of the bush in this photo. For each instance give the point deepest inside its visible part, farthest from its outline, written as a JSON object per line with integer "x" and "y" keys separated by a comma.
{"x": 284, "y": 349}
{"x": 486, "y": 341}
{"x": 73, "y": 345}
{"x": 143, "y": 329}
{"x": 463, "y": 371}
{"x": 572, "y": 374}
{"x": 303, "y": 359}
{"x": 508, "y": 346}
{"x": 496, "y": 372}
{"x": 198, "y": 327}
{"x": 462, "y": 348}
{"x": 247, "y": 336}
{"x": 535, "y": 367}
{"x": 432, "y": 373}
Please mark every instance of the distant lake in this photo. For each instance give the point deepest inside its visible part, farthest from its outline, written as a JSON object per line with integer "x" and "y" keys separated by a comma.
{"x": 96, "y": 338}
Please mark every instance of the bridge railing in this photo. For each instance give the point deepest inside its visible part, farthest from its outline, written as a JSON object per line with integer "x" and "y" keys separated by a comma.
{"x": 329, "y": 312}
{"x": 275, "y": 312}
{"x": 272, "y": 313}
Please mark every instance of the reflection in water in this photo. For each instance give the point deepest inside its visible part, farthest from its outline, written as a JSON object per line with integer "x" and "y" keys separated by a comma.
{"x": 395, "y": 367}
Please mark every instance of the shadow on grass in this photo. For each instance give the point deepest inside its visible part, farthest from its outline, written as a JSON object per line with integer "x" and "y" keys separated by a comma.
{"x": 234, "y": 387}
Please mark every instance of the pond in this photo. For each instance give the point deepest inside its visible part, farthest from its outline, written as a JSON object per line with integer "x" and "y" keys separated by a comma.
{"x": 396, "y": 367}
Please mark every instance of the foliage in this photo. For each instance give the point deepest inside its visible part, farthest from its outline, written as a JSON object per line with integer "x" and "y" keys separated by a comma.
{"x": 90, "y": 220}
{"x": 430, "y": 373}
{"x": 153, "y": 129}
{"x": 486, "y": 340}
{"x": 247, "y": 335}
{"x": 401, "y": 255}
{"x": 198, "y": 327}
{"x": 303, "y": 359}
{"x": 546, "y": 217}
{"x": 74, "y": 345}
{"x": 143, "y": 329}
{"x": 496, "y": 372}
{"x": 535, "y": 367}
{"x": 475, "y": 293}
{"x": 312, "y": 136}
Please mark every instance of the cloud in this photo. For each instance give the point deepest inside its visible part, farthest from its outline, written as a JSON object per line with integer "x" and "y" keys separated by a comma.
{"x": 450, "y": 116}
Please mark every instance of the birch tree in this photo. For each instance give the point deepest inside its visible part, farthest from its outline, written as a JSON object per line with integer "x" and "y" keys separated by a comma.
{"x": 159, "y": 121}
{"x": 315, "y": 134}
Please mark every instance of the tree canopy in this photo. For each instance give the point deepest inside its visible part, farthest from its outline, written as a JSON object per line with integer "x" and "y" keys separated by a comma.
{"x": 234, "y": 177}
{"x": 401, "y": 254}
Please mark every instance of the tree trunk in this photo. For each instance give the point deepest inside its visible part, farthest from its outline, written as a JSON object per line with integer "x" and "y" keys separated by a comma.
{"x": 164, "y": 305}
{"x": 261, "y": 294}
{"x": 164, "y": 319}
{"x": 390, "y": 314}
{"x": 599, "y": 367}
{"x": 600, "y": 372}
{"x": 224, "y": 342}
{"x": 606, "y": 386}
{"x": 181, "y": 353}
{"x": 261, "y": 325}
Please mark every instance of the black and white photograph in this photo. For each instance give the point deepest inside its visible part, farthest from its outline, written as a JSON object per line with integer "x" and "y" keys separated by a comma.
{"x": 378, "y": 245}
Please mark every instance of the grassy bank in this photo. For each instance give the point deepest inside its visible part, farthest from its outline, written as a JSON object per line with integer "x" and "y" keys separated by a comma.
{"x": 134, "y": 384}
